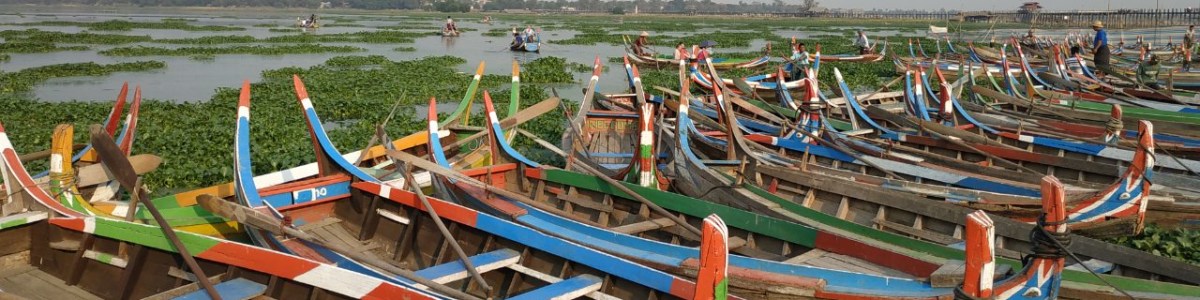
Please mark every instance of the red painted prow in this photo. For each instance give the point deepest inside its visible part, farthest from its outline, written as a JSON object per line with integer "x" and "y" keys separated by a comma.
{"x": 114, "y": 117}
{"x": 131, "y": 127}
{"x": 980, "y": 256}
{"x": 711, "y": 283}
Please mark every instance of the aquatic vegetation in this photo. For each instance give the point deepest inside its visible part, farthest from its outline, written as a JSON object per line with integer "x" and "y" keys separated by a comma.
{"x": 41, "y": 36}
{"x": 203, "y": 57}
{"x": 405, "y": 49}
{"x": 373, "y": 37}
{"x": 283, "y": 29}
{"x": 36, "y": 47}
{"x": 497, "y": 32}
{"x": 267, "y": 25}
{"x": 240, "y": 49}
{"x": 356, "y": 61}
{"x": 1179, "y": 244}
{"x": 122, "y": 25}
{"x": 23, "y": 81}
{"x": 210, "y": 40}
{"x": 5, "y": 57}
{"x": 549, "y": 69}
{"x": 194, "y": 138}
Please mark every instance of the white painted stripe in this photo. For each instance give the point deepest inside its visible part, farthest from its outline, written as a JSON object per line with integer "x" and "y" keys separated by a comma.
{"x": 89, "y": 225}
{"x": 385, "y": 191}
{"x": 339, "y": 280}
{"x": 243, "y": 112}
{"x": 306, "y": 103}
{"x": 56, "y": 163}
{"x": 4, "y": 143}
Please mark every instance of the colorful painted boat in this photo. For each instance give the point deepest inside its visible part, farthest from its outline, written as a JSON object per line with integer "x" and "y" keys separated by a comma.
{"x": 55, "y": 251}
{"x": 611, "y": 223}
{"x": 519, "y": 262}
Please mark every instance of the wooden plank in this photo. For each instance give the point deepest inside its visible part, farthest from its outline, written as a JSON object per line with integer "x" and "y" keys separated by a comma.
{"x": 236, "y": 289}
{"x": 644, "y": 226}
{"x": 951, "y": 274}
{"x": 182, "y": 290}
{"x": 567, "y": 289}
{"x": 806, "y": 256}
{"x": 523, "y": 270}
{"x": 455, "y": 270}
{"x": 922, "y": 234}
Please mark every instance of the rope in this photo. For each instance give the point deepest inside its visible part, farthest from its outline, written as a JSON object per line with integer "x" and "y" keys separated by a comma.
{"x": 1114, "y": 126}
{"x": 1054, "y": 244}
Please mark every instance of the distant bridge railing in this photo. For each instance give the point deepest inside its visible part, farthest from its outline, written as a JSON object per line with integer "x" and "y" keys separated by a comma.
{"x": 1125, "y": 18}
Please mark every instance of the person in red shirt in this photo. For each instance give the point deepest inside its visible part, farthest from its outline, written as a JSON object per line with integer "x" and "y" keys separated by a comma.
{"x": 704, "y": 52}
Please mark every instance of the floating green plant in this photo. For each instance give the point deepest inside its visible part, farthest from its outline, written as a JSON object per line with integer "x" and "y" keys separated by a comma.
{"x": 23, "y": 81}
{"x": 240, "y": 49}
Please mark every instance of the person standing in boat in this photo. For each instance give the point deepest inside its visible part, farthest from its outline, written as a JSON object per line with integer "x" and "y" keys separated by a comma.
{"x": 1100, "y": 52}
{"x": 864, "y": 44}
{"x": 450, "y": 25}
{"x": 640, "y": 44}
{"x": 312, "y": 20}
{"x": 799, "y": 61}
{"x": 529, "y": 33}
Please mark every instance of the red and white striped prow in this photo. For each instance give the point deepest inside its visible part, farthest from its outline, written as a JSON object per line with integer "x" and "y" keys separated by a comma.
{"x": 647, "y": 164}
{"x": 980, "y": 252}
{"x": 17, "y": 178}
{"x": 946, "y": 110}
{"x": 1112, "y": 137}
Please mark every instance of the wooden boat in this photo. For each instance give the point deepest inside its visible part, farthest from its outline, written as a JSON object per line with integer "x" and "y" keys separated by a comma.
{"x": 276, "y": 185}
{"x": 519, "y": 262}
{"x": 871, "y": 57}
{"x": 873, "y": 206}
{"x": 529, "y": 45}
{"x": 616, "y": 141}
{"x": 662, "y": 61}
{"x": 446, "y": 32}
{"x": 613, "y": 223}
{"x": 53, "y": 251}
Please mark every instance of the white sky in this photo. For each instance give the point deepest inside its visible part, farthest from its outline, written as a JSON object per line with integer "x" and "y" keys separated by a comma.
{"x": 997, "y": 4}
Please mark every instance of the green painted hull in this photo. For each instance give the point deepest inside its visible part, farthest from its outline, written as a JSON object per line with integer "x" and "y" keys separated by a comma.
{"x": 805, "y": 235}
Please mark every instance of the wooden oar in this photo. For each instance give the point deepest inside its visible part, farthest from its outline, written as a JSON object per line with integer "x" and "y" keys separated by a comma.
{"x": 437, "y": 169}
{"x": 260, "y": 220}
{"x": 416, "y": 188}
{"x": 25, "y": 158}
{"x": 116, "y": 162}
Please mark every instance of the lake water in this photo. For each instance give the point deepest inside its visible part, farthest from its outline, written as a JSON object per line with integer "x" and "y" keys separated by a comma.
{"x": 186, "y": 79}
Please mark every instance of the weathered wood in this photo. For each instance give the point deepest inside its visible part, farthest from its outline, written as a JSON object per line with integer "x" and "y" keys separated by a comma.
{"x": 951, "y": 274}
{"x": 643, "y": 226}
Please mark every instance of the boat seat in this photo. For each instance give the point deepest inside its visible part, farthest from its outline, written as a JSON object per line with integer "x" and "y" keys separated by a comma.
{"x": 857, "y": 132}
{"x": 575, "y": 287}
{"x": 1099, "y": 266}
{"x": 235, "y": 289}
{"x": 455, "y": 270}
{"x": 617, "y": 155}
{"x": 721, "y": 162}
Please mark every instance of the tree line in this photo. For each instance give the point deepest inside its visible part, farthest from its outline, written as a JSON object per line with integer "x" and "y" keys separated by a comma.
{"x": 651, "y": 6}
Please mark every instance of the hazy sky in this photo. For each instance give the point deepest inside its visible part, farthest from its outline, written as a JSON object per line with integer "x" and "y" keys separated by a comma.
{"x": 1002, "y": 4}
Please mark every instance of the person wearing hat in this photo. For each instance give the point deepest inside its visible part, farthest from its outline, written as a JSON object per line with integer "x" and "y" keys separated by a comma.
{"x": 639, "y": 45}
{"x": 705, "y": 50}
{"x": 864, "y": 45}
{"x": 517, "y": 38}
{"x": 1100, "y": 51}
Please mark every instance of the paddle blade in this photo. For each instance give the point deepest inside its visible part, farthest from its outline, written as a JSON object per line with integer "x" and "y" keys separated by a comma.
{"x": 113, "y": 158}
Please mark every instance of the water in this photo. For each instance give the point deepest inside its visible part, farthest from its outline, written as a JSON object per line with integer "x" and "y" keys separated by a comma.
{"x": 188, "y": 80}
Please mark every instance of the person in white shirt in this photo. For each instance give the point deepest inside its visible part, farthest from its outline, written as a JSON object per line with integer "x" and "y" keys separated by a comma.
{"x": 799, "y": 61}
{"x": 864, "y": 45}
{"x": 1073, "y": 63}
